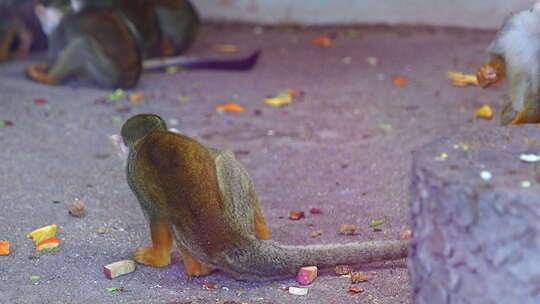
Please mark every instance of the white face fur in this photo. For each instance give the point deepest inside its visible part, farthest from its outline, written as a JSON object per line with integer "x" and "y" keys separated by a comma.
{"x": 77, "y": 5}
{"x": 49, "y": 17}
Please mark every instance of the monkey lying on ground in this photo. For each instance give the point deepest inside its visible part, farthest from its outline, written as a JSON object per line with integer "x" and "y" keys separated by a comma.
{"x": 515, "y": 53}
{"x": 98, "y": 42}
{"x": 205, "y": 200}
{"x": 19, "y": 30}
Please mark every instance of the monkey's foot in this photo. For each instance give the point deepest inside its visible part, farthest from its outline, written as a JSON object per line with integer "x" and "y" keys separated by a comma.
{"x": 194, "y": 268}
{"x": 152, "y": 256}
{"x": 38, "y": 72}
{"x": 167, "y": 48}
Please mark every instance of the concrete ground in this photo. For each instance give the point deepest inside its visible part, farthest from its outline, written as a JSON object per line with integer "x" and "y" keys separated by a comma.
{"x": 343, "y": 146}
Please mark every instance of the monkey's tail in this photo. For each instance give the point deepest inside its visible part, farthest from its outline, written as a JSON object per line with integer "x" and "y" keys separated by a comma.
{"x": 241, "y": 64}
{"x": 263, "y": 260}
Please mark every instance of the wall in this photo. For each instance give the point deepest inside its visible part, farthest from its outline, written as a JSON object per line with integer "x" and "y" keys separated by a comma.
{"x": 462, "y": 13}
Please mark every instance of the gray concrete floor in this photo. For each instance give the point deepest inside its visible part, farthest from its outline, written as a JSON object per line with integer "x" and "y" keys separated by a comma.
{"x": 326, "y": 150}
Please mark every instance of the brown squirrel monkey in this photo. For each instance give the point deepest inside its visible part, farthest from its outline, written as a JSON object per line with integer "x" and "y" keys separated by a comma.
{"x": 205, "y": 200}
{"x": 97, "y": 42}
{"x": 19, "y": 29}
{"x": 515, "y": 54}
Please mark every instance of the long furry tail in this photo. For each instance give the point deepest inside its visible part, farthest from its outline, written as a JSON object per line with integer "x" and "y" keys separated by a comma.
{"x": 241, "y": 64}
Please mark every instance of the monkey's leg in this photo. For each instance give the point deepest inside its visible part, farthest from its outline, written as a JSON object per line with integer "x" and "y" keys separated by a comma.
{"x": 25, "y": 40}
{"x": 194, "y": 268}
{"x": 179, "y": 24}
{"x": 5, "y": 43}
{"x": 66, "y": 64}
{"x": 159, "y": 255}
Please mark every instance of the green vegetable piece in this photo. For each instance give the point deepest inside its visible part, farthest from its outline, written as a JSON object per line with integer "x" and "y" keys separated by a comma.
{"x": 376, "y": 223}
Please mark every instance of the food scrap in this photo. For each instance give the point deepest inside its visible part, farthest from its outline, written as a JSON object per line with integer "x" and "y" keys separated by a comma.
{"x": 322, "y": 41}
{"x": 117, "y": 119}
{"x": 34, "y": 278}
{"x": 347, "y": 229}
{"x": 386, "y": 127}
{"x": 298, "y": 291}
{"x": 525, "y": 184}
{"x": 4, "y": 247}
{"x": 230, "y": 107}
{"x": 442, "y": 156}
{"x": 400, "y": 81}
{"x": 226, "y": 48}
{"x": 530, "y": 158}
{"x": 208, "y": 286}
{"x": 355, "y": 290}
{"x": 485, "y": 175}
{"x": 117, "y": 94}
{"x": 357, "y": 277}
{"x": 343, "y": 269}
{"x": 296, "y": 215}
{"x": 406, "y": 235}
{"x": 306, "y": 275}
{"x": 282, "y": 99}
{"x": 136, "y": 97}
{"x": 112, "y": 289}
{"x": 43, "y": 233}
{"x": 375, "y": 223}
{"x": 51, "y": 244}
{"x": 119, "y": 268}
{"x": 40, "y": 101}
{"x": 462, "y": 80}
{"x": 77, "y": 209}
{"x": 315, "y": 211}
{"x": 315, "y": 234}
{"x": 372, "y": 61}
{"x": 484, "y": 112}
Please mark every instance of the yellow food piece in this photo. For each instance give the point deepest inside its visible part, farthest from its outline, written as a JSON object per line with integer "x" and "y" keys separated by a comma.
{"x": 484, "y": 112}
{"x": 43, "y": 233}
{"x": 460, "y": 79}
{"x": 282, "y": 99}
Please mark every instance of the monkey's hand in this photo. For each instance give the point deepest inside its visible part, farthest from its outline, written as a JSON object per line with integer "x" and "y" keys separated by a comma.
{"x": 38, "y": 72}
{"x": 491, "y": 73}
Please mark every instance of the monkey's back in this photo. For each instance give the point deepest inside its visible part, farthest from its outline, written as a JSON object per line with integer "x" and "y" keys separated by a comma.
{"x": 119, "y": 58}
{"x": 178, "y": 176}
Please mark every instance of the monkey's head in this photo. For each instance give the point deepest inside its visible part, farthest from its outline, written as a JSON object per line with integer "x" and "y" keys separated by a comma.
{"x": 140, "y": 126}
{"x": 51, "y": 12}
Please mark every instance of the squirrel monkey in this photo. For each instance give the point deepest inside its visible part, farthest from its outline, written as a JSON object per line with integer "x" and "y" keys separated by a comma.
{"x": 205, "y": 200}
{"x": 108, "y": 44}
{"x": 19, "y": 30}
{"x": 515, "y": 53}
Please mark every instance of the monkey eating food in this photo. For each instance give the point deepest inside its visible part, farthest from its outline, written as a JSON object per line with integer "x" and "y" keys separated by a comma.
{"x": 515, "y": 54}
{"x": 204, "y": 199}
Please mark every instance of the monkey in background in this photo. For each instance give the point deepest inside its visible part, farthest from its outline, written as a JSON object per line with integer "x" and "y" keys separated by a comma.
{"x": 515, "y": 54}
{"x": 107, "y": 43}
{"x": 205, "y": 200}
{"x": 19, "y": 29}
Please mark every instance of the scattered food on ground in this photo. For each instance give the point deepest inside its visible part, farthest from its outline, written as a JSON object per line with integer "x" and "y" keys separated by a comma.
{"x": 43, "y": 233}
{"x": 462, "y": 80}
{"x": 51, "y": 244}
{"x": 406, "y": 235}
{"x": 4, "y": 247}
{"x": 322, "y": 41}
{"x": 484, "y": 112}
{"x": 315, "y": 211}
{"x": 400, "y": 81}
{"x": 375, "y": 223}
{"x": 40, "y": 101}
{"x": 343, "y": 269}
{"x": 485, "y": 175}
{"x": 355, "y": 290}
{"x": 347, "y": 229}
{"x": 306, "y": 275}
{"x": 282, "y": 99}
{"x": 297, "y": 291}
{"x": 136, "y": 98}
{"x": 530, "y": 158}
{"x": 358, "y": 277}
{"x": 117, "y": 94}
{"x": 315, "y": 234}
{"x": 119, "y": 268}
{"x": 296, "y": 215}
{"x": 77, "y": 209}
{"x": 229, "y": 107}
